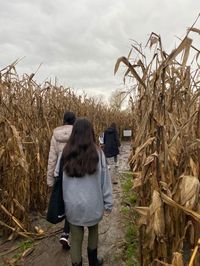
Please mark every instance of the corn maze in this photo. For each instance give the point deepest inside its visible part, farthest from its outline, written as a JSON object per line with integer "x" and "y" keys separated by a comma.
{"x": 28, "y": 114}
{"x": 164, "y": 97}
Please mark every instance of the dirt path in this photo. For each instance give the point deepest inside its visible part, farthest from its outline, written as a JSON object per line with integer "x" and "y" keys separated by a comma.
{"x": 48, "y": 251}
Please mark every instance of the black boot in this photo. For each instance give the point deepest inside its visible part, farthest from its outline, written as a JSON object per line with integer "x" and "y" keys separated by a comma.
{"x": 93, "y": 259}
{"x": 77, "y": 264}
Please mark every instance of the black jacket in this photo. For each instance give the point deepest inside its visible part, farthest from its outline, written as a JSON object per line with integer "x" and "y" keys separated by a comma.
{"x": 111, "y": 142}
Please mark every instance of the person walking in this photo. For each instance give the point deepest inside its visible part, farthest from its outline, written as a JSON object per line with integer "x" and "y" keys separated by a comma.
{"x": 111, "y": 142}
{"x": 58, "y": 141}
{"x": 101, "y": 138}
{"x": 87, "y": 190}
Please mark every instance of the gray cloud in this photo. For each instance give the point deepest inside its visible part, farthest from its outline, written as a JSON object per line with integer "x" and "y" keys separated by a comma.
{"x": 79, "y": 41}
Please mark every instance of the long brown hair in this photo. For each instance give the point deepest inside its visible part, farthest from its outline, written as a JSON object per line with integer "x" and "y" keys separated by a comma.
{"x": 80, "y": 154}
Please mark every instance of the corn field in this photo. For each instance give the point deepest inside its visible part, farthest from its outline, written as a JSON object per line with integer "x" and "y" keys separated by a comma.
{"x": 28, "y": 114}
{"x": 165, "y": 158}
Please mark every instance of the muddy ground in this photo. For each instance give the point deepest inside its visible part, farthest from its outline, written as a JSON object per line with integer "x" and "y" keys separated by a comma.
{"x": 48, "y": 251}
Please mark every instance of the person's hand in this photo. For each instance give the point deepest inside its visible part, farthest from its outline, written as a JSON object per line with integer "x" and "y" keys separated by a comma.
{"x": 49, "y": 190}
{"x": 106, "y": 213}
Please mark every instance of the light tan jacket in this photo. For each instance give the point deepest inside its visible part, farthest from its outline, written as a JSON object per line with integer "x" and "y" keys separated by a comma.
{"x": 58, "y": 141}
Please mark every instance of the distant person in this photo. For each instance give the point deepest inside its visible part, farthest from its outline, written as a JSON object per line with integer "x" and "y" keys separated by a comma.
{"x": 87, "y": 190}
{"x": 58, "y": 141}
{"x": 101, "y": 138}
{"x": 111, "y": 143}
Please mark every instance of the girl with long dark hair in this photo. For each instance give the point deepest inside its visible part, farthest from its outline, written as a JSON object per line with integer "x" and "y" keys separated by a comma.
{"x": 87, "y": 189}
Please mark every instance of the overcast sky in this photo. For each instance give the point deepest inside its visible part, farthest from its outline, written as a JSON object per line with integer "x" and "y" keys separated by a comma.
{"x": 79, "y": 41}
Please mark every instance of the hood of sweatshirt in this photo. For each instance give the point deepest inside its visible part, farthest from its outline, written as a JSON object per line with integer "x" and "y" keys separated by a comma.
{"x": 62, "y": 134}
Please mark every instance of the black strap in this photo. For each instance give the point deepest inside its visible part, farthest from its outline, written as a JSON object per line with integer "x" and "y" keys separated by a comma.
{"x": 61, "y": 167}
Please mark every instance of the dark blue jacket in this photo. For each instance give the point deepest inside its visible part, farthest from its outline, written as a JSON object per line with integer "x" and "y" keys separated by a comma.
{"x": 111, "y": 142}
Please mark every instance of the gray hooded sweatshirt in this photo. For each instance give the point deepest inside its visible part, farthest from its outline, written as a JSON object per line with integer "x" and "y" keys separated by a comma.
{"x": 86, "y": 198}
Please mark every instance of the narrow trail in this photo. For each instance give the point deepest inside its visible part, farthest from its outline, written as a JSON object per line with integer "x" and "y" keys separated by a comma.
{"x": 48, "y": 251}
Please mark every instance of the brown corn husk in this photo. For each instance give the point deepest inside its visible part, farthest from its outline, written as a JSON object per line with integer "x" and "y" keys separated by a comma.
{"x": 187, "y": 192}
{"x": 156, "y": 211}
{"x": 177, "y": 259}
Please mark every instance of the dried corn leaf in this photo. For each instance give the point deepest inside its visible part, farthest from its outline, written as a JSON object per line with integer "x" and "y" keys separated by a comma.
{"x": 150, "y": 158}
{"x": 187, "y": 192}
{"x": 185, "y": 44}
{"x": 19, "y": 205}
{"x": 132, "y": 70}
{"x": 141, "y": 147}
{"x": 2, "y": 150}
{"x": 157, "y": 214}
{"x": 137, "y": 182}
{"x": 193, "y": 167}
{"x": 22, "y": 158}
{"x": 172, "y": 203}
{"x": 15, "y": 220}
{"x": 194, "y": 30}
{"x": 177, "y": 259}
{"x": 153, "y": 40}
{"x": 186, "y": 52}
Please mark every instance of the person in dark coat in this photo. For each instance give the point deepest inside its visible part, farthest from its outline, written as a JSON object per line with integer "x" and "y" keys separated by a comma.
{"x": 111, "y": 142}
